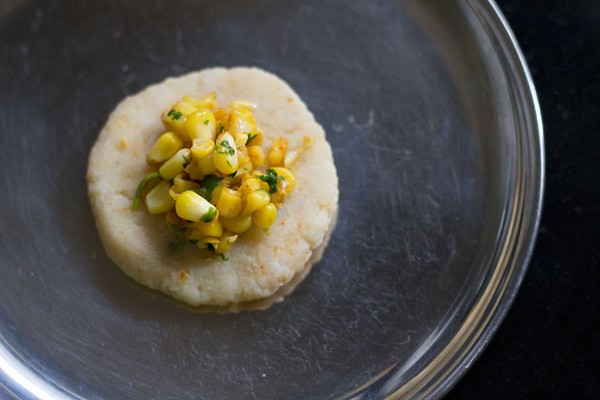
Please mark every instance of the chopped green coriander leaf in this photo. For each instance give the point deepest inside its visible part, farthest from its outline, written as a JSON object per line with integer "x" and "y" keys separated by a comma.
{"x": 207, "y": 185}
{"x": 250, "y": 137}
{"x": 221, "y": 127}
{"x": 205, "y": 122}
{"x": 137, "y": 200}
{"x": 270, "y": 177}
{"x": 224, "y": 258}
{"x": 175, "y": 114}
{"x": 186, "y": 161}
{"x": 209, "y": 215}
{"x": 176, "y": 247}
{"x": 226, "y": 148}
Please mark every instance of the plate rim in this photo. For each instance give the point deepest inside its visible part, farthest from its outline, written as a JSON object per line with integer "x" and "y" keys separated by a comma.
{"x": 453, "y": 361}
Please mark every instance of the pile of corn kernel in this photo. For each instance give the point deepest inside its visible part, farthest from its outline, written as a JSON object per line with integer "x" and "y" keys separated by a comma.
{"x": 207, "y": 182}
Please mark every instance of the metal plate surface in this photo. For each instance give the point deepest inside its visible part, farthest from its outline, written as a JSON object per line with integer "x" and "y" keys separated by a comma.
{"x": 437, "y": 140}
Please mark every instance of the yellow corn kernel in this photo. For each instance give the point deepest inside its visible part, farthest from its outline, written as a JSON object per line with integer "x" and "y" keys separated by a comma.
{"x": 174, "y": 222}
{"x": 238, "y": 224}
{"x": 201, "y": 124}
{"x": 240, "y": 139}
{"x": 256, "y": 140}
{"x": 249, "y": 186}
{"x": 175, "y": 165}
{"x": 264, "y": 186}
{"x": 290, "y": 158}
{"x": 184, "y": 107}
{"x": 180, "y": 184}
{"x": 241, "y": 103}
{"x": 286, "y": 180}
{"x": 265, "y": 216}
{"x": 164, "y": 148}
{"x": 200, "y": 167}
{"x": 159, "y": 201}
{"x": 277, "y": 152}
{"x": 202, "y": 147}
{"x": 174, "y": 118}
{"x": 222, "y": 115}
{"x": 225, "y": 243}
{"x": 229, "y": 203}
{"x": 226, "y": 154}
{"x": 193, "y": 207}
{"x": 216, "y": 194}
{"x": 208, "y": 101}
{"x": 255, "y": 200}
{"x": 307, "y": 142}
{"x": 244, "y": 170}
{"x": 199, "y": 230}
{"x": 242, "y": 123}
{"x": 257, "y": 155}
{"x": 242, "y": 156}
{"x": 174, "y": 195}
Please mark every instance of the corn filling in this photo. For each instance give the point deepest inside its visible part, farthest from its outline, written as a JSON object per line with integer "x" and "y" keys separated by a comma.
{"x": 214, "y": 180}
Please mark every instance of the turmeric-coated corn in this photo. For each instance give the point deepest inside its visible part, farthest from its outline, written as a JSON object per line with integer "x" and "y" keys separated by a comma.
{"x": 238, "y": 224}
{"x": 265, "y": 216}
{"x": 175, "y": 165}
{"x": 255, "y": 200}
{"x": 201, "y": 124}
{"x": 193, "y": 207}
{"x": 164, "y": 148}
{"x": 230, "y": 203}
{"x": 159, "y": 201}
{"x": 207, "y": 183}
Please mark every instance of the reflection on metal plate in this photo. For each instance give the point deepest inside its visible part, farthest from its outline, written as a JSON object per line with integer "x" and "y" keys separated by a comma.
{"x": 437, "y": 140}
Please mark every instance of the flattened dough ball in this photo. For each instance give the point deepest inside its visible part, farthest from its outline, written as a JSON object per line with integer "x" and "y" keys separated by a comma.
{"x": 259, "y": 264}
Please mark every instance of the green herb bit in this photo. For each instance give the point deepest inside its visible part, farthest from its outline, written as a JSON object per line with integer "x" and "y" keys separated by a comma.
{"x": 209, "y": 215}
{"x": 137, "y": 200}
{"x": 175, "y": 114}
{"x": 250, "y": 137}
{"x": 176, "y": 247}
{"x": 221, "y": 127}
{"x": 176, "y": 227}
{"x": 224, "y": 258}
{"x": 270, "y": 177}
{"x": 226, "y": 148}
{"x": 186, "y": 161}
{"x": 205, "y": 122}
{"x": 207, "y": 185}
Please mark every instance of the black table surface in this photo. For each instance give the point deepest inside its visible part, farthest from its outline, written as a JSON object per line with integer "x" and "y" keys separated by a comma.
{"x": 548, "y": 346}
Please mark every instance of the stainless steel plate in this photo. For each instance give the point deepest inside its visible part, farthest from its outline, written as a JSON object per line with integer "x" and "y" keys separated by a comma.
{"x": 438, "y": 143}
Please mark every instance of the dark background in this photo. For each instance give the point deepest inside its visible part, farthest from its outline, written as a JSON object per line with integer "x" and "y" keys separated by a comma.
{"x": 548, "y": 346}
